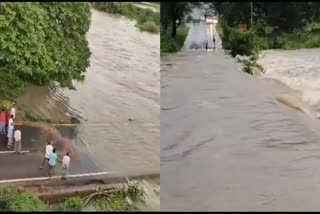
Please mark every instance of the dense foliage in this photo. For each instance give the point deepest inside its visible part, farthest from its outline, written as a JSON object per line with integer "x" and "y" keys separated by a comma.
{"x": 5, "y": 104}
{"x": 42, "y": 42}
{"x": 287, "y": 25}
{"x": 169, "y": 44}
{"x": 147, "y": 20}
{"x": 174, "y": 16}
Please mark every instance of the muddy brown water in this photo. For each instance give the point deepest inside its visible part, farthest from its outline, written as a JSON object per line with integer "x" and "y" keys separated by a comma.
{"x": 226, "y": 142}
{"x": 118, "y": 103}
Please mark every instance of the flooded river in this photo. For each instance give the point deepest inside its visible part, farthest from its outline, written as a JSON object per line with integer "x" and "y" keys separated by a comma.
{"x": 228, "y": 144}
{"x": 299, "y": 69}
{"x": 118, "y": 103}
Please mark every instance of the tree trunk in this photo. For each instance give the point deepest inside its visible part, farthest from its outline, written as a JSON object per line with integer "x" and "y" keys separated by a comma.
{"x": 174, "y": 29}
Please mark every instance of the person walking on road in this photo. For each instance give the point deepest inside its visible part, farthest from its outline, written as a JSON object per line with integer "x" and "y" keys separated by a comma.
{"x": 52, "y": 161}
{"x": 65, "y": 164}
{"x": 10, "y": 132}
{"x": 49, "y": 149}
{"x": 214, "y": 42}
{"x": 17, "y": 140}
{"x": 3, "y": 122}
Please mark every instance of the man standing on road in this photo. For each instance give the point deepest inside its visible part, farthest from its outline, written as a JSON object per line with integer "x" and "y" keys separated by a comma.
{"x": 10, "y": 132}
{"x": 49, "y": 149}
{"x": 17, "y": 141}
{"x": 52, "y": 161}
{"x": 3, "y": 122}
{"x": 65, "y": 164}
{"x": 214, "y": 42}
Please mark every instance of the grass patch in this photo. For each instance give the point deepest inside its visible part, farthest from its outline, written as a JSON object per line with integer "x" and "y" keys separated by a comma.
{"x": 31, "y": 117}
{"x": 15, "y": 200}
{"x": 220, "y": 30}
{"x": 119, "y": 201}
{"x": 169, "y": 44}
{"x": 147, "y": 20}
{"x": 72, "y": 204}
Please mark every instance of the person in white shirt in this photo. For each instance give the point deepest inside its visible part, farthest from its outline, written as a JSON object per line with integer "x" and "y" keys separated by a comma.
{"x": 17, "y": 140}
{"x": 13, "y": 112}
{"x": 46, "y": 158}
{"x": 10, "y": 132}
{"x": 65, "y": 164}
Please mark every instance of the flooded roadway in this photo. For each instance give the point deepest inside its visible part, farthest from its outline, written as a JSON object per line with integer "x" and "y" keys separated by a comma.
{"x": 228, "y": 144}
{"x": 118, "y": 102}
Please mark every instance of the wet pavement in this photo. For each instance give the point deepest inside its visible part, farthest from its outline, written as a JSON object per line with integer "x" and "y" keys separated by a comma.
{"x": 27, "y": 165}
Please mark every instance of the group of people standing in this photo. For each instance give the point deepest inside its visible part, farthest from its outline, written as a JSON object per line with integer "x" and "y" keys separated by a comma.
{"x": 51, "y": 158}
{"x": 13, "y": 136}
{"x": 7, "y": 128}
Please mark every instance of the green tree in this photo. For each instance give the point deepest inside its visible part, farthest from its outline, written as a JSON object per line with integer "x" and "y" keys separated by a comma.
{"x": 173, "y": 13}
{"x": 43, "y": 42}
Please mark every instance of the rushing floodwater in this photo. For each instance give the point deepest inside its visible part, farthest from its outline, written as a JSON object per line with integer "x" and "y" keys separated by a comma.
{"x": 119, "y": 100}
{"x": 298, "y": 69}
{"x": 228, "y": 144}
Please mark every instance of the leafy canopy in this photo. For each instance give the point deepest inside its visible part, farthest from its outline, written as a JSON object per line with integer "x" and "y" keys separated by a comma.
{"x": 43, "y": 42}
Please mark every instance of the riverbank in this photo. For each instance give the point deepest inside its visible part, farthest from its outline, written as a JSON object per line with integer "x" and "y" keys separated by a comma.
{"x": 102, "y": 193}
{"x": 146, "y": 19}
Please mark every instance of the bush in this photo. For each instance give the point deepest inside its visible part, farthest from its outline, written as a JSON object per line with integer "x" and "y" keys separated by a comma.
{"x": 243, "y": 43}
{"x": 42, "y": 42}
{"x": 299, "y": 39}
{"x": 7, "y": 105}
{"x": 14, "y": 200}
{"x": 10, "y": 84}
{"x": 169, "y": 44}
{"x": 73, "y": 204}
{"x": 182, "y": 33}
{"x": 146, "y": 19}
{"x": 30, "y": 117}
{"x": 149, "y": 26}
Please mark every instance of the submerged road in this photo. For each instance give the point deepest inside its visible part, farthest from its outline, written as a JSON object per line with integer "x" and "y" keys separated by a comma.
{"x": 227, "y": 144}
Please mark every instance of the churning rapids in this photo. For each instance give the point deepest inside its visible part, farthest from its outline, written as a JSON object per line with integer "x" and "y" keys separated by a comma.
{"x": 227, "y": 143}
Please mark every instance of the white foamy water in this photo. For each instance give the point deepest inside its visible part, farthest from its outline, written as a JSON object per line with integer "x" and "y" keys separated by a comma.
{"x": 299, "y": 69}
